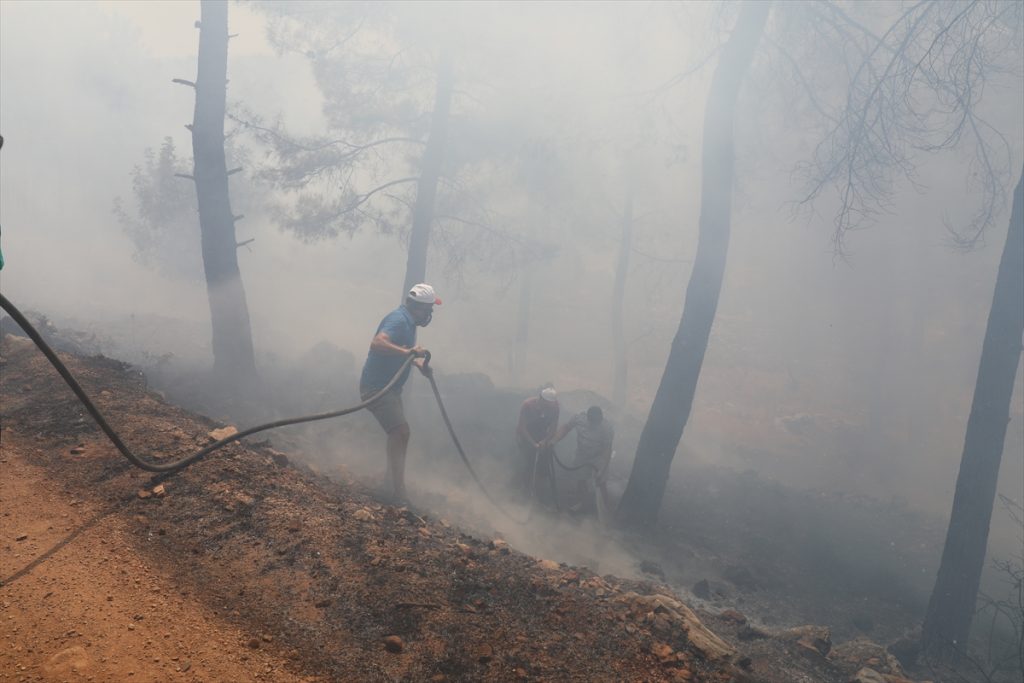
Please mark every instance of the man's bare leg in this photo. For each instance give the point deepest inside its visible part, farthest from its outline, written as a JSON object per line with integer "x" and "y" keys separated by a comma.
{"x": 398, "y": 442}
{"x": 602, "y": 502}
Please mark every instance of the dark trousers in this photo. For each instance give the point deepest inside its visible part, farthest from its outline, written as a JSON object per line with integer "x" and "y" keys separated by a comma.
{"x": 536, "y": 473}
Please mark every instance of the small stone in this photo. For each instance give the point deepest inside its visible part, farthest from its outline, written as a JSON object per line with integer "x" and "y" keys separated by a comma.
{"x": 549, "y": 565}
{"x": 185, "y": 665}
{"x": 60, "y": 665}
{"x": 816, "y": 639}
{"x": 484, "y": 653}
{"x": 323, "y": 603}
{"x": 77, "y": 450}
{"x": 662, "y": 651}
{"x": 734, "y": 616}
{"x": 143, "y": 494}
{"x": 363, "y": 515}
{"x": 159, "y": 491}
{"x": 21, "y": 537}
{"x": 393, "y": 644}
{"x": 254, "y": 643}
{"x": 868, "y": 675}
{"x": 223, "y": 433}
{"x": 267, "y": 638}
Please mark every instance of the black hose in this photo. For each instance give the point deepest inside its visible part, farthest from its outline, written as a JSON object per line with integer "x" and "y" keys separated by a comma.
{"x": 572, "y": 468}
{"x": 465, "y": 460}
{"x": 174, "y": 465}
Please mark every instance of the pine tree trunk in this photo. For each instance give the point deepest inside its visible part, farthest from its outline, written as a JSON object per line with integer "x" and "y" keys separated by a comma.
{"x": 430, "y": 174}
{"x": 233, "y": 354}
{"x": 618, "y": 297}
{"x": 674, "y": 399}
{"x": 951, "y": 607}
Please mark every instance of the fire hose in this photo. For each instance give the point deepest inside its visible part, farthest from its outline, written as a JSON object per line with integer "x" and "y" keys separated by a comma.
{"x": 181, "y": 463}
{"x": 150, "y": 465}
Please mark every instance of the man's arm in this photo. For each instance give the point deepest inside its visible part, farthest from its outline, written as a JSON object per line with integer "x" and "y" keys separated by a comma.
{"x": 382, "y": 344}
{"x": 562, "y": 431}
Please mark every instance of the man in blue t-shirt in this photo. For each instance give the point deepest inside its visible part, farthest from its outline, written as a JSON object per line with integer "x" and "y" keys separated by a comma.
{"x": 394, "y": 341}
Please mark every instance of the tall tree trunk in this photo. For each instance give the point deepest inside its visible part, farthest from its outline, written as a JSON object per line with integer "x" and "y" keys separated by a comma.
{"x": 430, "y": 174}
{"x": 618, "y": 296}
{"x": 229, "y": 314}
{"x": 674, "y": 399}
{"x": 951, "y": 607}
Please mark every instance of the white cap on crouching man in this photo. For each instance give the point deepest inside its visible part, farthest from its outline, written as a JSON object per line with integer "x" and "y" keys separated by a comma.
{"x": 549, "y": 394}
{"x": 424, "y": 294}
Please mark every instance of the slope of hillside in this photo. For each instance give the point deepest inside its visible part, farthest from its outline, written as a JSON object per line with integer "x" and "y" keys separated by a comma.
{"x": 248, "y": 567}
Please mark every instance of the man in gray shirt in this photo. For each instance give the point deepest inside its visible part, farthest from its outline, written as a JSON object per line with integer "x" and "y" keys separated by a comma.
{"x": 594, "y": 436}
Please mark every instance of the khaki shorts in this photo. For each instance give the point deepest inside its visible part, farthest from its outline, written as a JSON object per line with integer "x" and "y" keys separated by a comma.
{"x": 388, "y": 409}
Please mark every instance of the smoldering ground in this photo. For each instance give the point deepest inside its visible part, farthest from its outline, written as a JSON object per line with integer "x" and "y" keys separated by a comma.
{"x": 828, "y": 422}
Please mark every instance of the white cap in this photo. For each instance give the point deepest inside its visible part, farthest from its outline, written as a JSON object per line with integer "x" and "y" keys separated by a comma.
{"x": 549, "y": 394}
{"x": 424, "y": 294}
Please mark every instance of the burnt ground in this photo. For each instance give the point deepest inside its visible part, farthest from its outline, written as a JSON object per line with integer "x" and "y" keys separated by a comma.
{"x": 247, "y": 566}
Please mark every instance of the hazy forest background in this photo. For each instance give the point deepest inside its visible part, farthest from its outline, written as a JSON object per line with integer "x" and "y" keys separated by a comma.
{"x": 845, "y": 373}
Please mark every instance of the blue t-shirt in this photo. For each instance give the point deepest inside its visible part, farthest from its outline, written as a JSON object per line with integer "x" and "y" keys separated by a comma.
{"x": 380, "y": 367}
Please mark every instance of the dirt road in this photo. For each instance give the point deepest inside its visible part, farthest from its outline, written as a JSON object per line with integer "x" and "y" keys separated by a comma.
{"x": 86, "y": 606}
